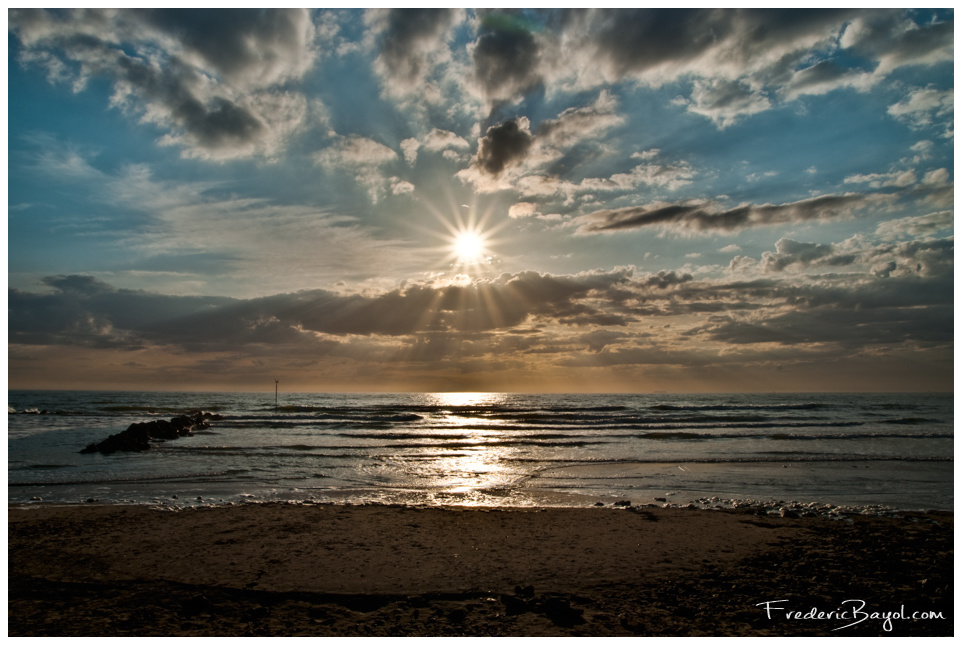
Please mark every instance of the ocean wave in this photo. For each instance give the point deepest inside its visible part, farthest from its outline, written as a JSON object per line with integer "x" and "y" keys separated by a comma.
{"x": 154, "y": 409}
{"x": 496, "y": 443}
{"x": 785, "y": 458}
{"x": 682, "y": 435}
{"x": 102, "y": 478}
{"x": 667, "y": 407}
{"x": 782, "y": 436}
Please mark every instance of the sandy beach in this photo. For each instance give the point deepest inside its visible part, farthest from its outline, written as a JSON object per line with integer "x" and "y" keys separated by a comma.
{"x": 345, "y": 570}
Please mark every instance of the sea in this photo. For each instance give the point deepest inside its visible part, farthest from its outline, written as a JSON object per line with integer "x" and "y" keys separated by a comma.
{"x": 860, "y": 452}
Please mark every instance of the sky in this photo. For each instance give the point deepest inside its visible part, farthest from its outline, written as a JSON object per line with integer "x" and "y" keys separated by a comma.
{"x": 548, "y": 200}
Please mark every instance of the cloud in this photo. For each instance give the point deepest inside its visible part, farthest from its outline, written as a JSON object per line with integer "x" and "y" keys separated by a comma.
{"x": 824, "y": 77}
{"x": 503, "y": 145}
{"x": 931, "y": 258}
{"x": 439, "y": 139}
{"x": 898, "y": 178}
{"x": 362, "y": 157}
{"x": 851, "y": 329}
{"x": 202, "y": 237}
{"x": 724, "y": 101}
{"x": 703, "y": 215}
{"x": 920, "y": 226}
{"x": 247, "y": 47}
{"x": 409, "y": 147}
{"x": 212, "y": 80}
{"x": 578, "y": 124}
{"x": 509, "y": 153}
{"x": 506, "y": 55}
{"x": 599, "y": 339}
{"x": 923, "y": 150}
{"x": 892, "y": 299}
{"x": 85, "y": 311}
{"x": 804, "y": 254}
{"x": 356, "y": 151}
{"x": 401, "y": 187}
{"x": 671, "y": 177}
{"x": 522, "y": 209}
{"x": 409, "y": 40}
{"x": 922, "y": 107}
{"x": 739, "y": 62}
{"x": 895, "y": 40}
{"x": 936, "y": 177}
{"x": 732, "y": 55}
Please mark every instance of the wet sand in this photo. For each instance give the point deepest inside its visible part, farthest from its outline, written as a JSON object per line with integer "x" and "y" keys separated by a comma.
{"x": 342, "y": 570}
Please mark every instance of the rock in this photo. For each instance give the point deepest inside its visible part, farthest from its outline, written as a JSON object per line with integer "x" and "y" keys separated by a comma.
{"x": 513, "y": 604}
{"x": 524, "y": 592}
{"x": 138, "y": 436}
{"x": 623, "y": 502}
{"x": 560, "y": 612}
{"x": 198, "y": 604}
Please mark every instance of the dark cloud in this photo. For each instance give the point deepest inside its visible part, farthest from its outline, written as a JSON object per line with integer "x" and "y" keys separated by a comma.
{"x": 648, "y": 355}
{"x": 804, "y": 254}
{"x": 567, "y": 140}
{"x": 853, "y": 329}
{"x": 738, "y": 60}
{"x": 598, "y": 339}
{"x": 618, "y": 316}
{"x": 85, "y": 311}
{"x": 664, "y": 280}
{"x": 210, "y": 79}
{"x": 503, "y": 145}
{"x": 137, "y": 318}
{"x": 244, "y": 46}
{"x": 633, "y": 41}
{"x": 216, "y": 125}
{"x": 407, "y": 39}
{"x": 895, "y": 39}
{"x": 926, "y": 258}
{"x": 77, "y": 284}
{"x": 702, "y": 215}
{"x": 506, "y": 56}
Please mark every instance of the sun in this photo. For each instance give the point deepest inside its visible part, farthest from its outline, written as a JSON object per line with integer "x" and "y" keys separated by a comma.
{"x": 468, "y": 247}
{"x": 467, "y": 241}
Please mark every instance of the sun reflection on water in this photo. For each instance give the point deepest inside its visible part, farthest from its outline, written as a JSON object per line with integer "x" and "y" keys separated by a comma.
{"x": 465, "y": 399}
{"x": 475, "y": 469}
